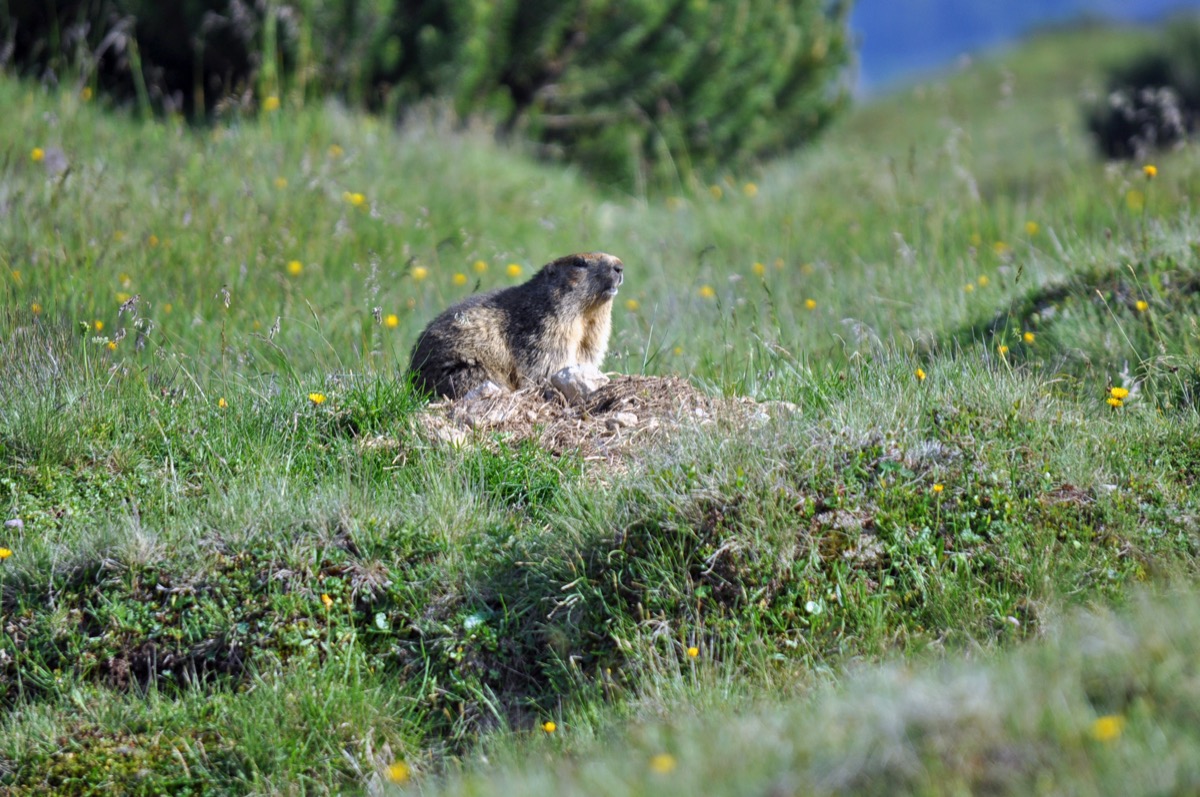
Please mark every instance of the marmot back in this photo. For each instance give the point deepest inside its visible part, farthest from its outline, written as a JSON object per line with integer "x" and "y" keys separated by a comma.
{"x": 521, "y": 335}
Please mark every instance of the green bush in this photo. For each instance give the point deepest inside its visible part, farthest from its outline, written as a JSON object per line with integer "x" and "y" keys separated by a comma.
{"x": 1153, "y": 101}
{"x": 642, "y": 93}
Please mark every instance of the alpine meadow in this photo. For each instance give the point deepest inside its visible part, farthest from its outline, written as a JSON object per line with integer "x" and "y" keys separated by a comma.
{"x": 936, "y": 531}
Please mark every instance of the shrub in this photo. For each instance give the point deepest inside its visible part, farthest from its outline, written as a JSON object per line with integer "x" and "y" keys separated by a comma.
{"x": 1154, "y": 100}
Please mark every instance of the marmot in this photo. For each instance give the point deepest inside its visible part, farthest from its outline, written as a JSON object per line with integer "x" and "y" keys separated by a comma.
{"x": 521, "y": 335}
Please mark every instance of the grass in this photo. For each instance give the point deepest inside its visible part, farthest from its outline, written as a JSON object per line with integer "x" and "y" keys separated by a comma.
{"x": 239, "y": 568}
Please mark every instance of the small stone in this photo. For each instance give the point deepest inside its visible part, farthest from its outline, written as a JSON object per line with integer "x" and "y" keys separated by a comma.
{"x": 626, "y": 419}
{"x": 577, "y": 382}
{"x": 487, "y": 390}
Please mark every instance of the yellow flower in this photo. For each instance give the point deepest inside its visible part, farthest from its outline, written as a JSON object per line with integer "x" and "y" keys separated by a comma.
{"x": 1135, "y": 200}
{"x": 677, "y": 351}
{"x": 271, "y": 103}
{"x": 37, "y": 154}
{"x": 549, "y": 727}
{"x": 693, "y": 651}
{"x": 810, "y": 304}
{"x": 152, "y": 240}
{"x": 1107, "y": 728}
{"x": 807, "y": 269}
{"x": 937, "y": 488}
{"x": 399, "y": 772}
{"x": 354, "y": 198}
{"x": 392, "y": 321}
{"x": 920, "y": 372}
{"x": 983, "y": 280}
{"x": 480, "y": 266}
{"x": 1000, "y": 248}
{"x": 750, "y": 190}
{"x": 168, "y": 307}
{"x": 294, "y": 267}
{"x": 122, "y": 297}
{"x": 1113, "y": 401}
{"x": 335, "y": 151}
{"x": 513, "y": 270}
{"x": 707, "y": 292}
{"x": 632, "y": 305}
{"x": 1031, "y": 228}
{"x": 119, "y": 235}
{"x": 759, "y": 269}
{"x": 85, "y": 93}
{"x": 419, "y": 273}
{"x": 970, "y": 286}
{"x": 662, "y": 763}
{"x": 281, "y": 182}
{"x": 5, "y": 553}
{"x": 325, "y": 599}
{"x": 779, "y": 264}
{"x": 222, "y": 403}
{"x": 976, "y": 239}
{"x": 1119, "y": 392}
{"x": 1142, "y": 305}
{"x": 1002, "y": 349}
{"x": 460, "y": 279}
{"x": 316, "y": 398}
{"x": 35, "y": 308}
{"x": 111, "y": 345}
{"x": 16, "y": 276}
{"x": 1150, "y": 170}
{"x": 1028, "y": 337}
{"x": 715, "y": 191}
{"x": 98, "y": 326}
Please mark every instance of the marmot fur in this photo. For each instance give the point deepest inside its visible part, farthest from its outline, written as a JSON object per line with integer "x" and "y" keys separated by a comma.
{"x": 521, "y": 335}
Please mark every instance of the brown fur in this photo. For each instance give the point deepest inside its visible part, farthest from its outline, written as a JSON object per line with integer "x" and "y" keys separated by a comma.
{"x": 521, "y": 335}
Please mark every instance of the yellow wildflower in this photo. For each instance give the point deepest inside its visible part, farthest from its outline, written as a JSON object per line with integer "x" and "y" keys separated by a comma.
{"x": 222, "y": 403}
{"x": 807, "y": 269}
{"x": 399, "y": 772}
{"x": 1150, "y": 170}
{"x": 4, "y": 554}
{"x": 281, "y": 182}
{"x": 460, "y": 279}
{"x": 693, "y": 651}
{"x": 970, "y": 286}
{"x": 391, "y": 321}
{"x": 759, "y": 269}
{"x": 124, "y": 279}
{"x": 1108, "y": 727}
{"x": 632, "y": 305}
{"x": 937, "y": 488}
{"x": 707, "y": 292}
{"x": 677, "y": 351}
{"x": 354, "y": 198}
{"x": 118, "y": 235}
{"x": 983, "y": 280}
{"x": 513, "y": 270}
{"x": 328, "y": 601}
{"x": 480, "y": 266}
{"x": 1001, "y": 248}
{"x": 123, "y": 297}
{"x": 1119, "y": 392}
{"x": 35, "y": 308}
{"x": 98, "y": 326}
{"x": 85, "y": 93}
{"x": 662, "y": 763}
{"x": 271, "y": 103}
{"x": 810, "y": 304}
{"x": 111, "y": 345}
{"x": 1142, "y": 305}
{"x": 316, "y": 398}
{"x": 294, "y": 267}
{"x": 1028, "y": 337}
{"x": 1031, "y": 228}
{"x": 715, "y": 191}
{"x": 335, "y": 151}
{"x": 419, "y": 273}
{"x": 1113, "y": 401}
{"x": 37, "y": 155}
{"x": 920, "y": 372}
{"x": 750, "y": 190}
{"x": 549, "y": 727}
{"x": 976, "y": 239}
{"x": 1002, "y": 349}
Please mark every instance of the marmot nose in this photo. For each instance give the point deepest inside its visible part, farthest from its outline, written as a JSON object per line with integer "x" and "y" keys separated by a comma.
{"x": 619, "y": 269}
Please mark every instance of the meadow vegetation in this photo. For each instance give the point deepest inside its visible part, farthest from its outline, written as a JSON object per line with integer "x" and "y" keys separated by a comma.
{"x": 234, "y": 566}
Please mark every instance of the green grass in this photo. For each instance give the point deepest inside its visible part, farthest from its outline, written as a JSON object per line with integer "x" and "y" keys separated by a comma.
{"x": 223, "y": 586}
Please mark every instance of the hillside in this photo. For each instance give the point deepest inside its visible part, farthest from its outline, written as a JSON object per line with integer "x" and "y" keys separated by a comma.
{"x": 236, "y": 564}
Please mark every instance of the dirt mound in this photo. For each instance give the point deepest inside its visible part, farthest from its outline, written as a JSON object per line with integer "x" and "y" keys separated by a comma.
{"x": 627, "y": 414}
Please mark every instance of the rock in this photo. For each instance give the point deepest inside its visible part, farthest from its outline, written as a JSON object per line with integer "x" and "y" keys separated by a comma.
{"x": 577, "y": 382}
{"x": 621, "y": 420}
{"x": 487, "y": 390}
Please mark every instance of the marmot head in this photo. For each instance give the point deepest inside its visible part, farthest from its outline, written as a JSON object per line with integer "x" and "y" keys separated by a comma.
{"x": 594, "y": 276}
